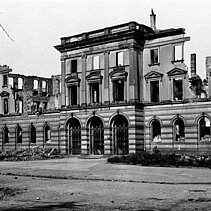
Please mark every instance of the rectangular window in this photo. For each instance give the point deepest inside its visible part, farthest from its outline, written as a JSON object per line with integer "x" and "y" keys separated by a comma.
{"x": 119, "y": 58}
{"x": 44, "y": 88}
{"x": 118, "y": 90}
{"x": 5, "y": 80}
{"x": 11, "y": 82}
{"x": 96, "y": 62}
{"x": 154, "y": 56}
{"x": 20, "y": 83}
{"x": 74, "y": 66}
{"x": 178, "y": 89}
{"x": 94, "y": 92}
{"x": 35, "y": 84}
{"x": 20, "y": 106}
{"x": 154, "y": 91}
{"x": 6, "y": 106}
{"x": 178, "y": 53}
{"x": 73, "y": 95}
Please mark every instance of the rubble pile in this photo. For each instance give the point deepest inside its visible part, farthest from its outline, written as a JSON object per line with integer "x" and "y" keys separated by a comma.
{"x": 35, "y": 153}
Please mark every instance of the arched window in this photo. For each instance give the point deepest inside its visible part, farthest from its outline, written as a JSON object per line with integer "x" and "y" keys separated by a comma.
{"x": 179, "y": 129}
{"x": 47, "y": 134}
{"x": 5, "y": 134}
{"x": 204, "y": 129}
{"x": 156, "y": 131}
{"x": 18, "y": 135}
{"x": 32, "y": 134}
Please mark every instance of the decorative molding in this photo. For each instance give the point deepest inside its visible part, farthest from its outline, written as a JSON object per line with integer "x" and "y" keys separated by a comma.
{"x": 118, "y": 73}
{"x": 153, "y": 75}
{"x": 176, "y": 72}
{"x": 4, "y": 94}
{"x": 94, "y": 77}
{"x": 72, "y": 80}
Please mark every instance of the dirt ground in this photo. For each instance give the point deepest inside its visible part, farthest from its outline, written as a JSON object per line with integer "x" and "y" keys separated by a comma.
{"x": 37, "y": 193}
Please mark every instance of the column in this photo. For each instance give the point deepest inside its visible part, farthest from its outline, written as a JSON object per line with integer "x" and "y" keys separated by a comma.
{"x": 83, "y": 81}
{"x": 84, "y": 142}
{"x": 63, "y": 74}
{"x": 106, "y": 78}
{"x": 107, "y": 141}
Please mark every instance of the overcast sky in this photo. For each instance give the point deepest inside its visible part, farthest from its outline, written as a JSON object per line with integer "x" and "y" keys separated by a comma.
{"x": 36, "y": 26}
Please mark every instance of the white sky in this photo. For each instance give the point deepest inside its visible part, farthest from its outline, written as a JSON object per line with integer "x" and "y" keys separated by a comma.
{"x": 37, "y": 26}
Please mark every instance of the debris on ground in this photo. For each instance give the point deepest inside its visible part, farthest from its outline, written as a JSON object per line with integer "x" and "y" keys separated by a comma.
{"x": 35, "y": 153}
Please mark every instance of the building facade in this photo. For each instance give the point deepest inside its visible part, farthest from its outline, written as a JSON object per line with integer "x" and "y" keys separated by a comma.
{"x": 122, "y": 89}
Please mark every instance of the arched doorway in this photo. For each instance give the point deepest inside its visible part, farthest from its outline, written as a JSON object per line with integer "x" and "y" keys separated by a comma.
{"x": 120, "y": 135}
{"x": 18, "y": 135}
{"x": 74, "y": 136}
{"x": 96, "y": 136}
{"x": 204, "y": 129}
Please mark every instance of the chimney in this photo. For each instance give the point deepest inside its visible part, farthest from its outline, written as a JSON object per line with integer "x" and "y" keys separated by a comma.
{"x": 193, "y": 64}
{"x": 153, "y": 20}
{"x": 208, "y": 65}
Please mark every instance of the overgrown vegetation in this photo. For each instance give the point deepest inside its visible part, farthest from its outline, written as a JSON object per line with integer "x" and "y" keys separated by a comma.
{"x": 160, "y": 159}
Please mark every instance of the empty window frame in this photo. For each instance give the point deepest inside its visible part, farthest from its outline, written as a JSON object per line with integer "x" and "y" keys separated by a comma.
{"x": 156, "y": 131}
{"x": 35, "y": 84}
{"x": 74, "y": 66}
{"x": 177, "y": 89}
{"x": 118, "y": 90}
{"x": 5, "y": 80}
{"x": 204, "y": 129}
{"x": 96, "y": 62}
{"x": 18, "y": 135}
{"x": 6, "y": 107}
{"x": 5, "y": 135}
{"x": 44, "y": 88}
{"x": 119, "y": 58}
{"x": 47, "y": 134}
{"x": 32, "y": 134}
{"x": 11, "y": 82}
{"x": 178, "y": 55}
{"x": 20, "y": 106}
{"x": 154, "y": 58}
{"x": 179, "y": 128}
{"x": 20, "y": 83}
{"x": 154, "y": 91}
{"x": 73, "y": 95}
{"x": 94, "y": 93}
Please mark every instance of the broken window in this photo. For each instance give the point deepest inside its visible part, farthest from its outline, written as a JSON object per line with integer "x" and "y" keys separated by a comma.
{"x": 204, "y": 129}
{"x": 74, "y": 66}
{"x": 154, "y": 56}
{"x": 119, "y": 58}
{"x": 156, "y": 131}
{"x": 18, "y": 135}
{"x": 179, "y": 128}
{"x": 94, "y": 92}
{"x": 73, "y": 95}
{"x": 20, "y": 83}
{"x": 5, "y": 135}
{"x": 118, "y": 90}
{"x": 11, "y": 82}
{"x": 44, "y": 88}
{"x": 154, "y": 91}
{"x": 45, "y": 105}
{"x": 32, "y": 134}
{"x": 5, "y": 80}
{"x": 6, "y": 110}
{"x": 47, "y": 134}
{"x": 178, "y": 89}
{"x": 96, "y": 62}
{"x": 35, "y": 87}
{"x": 178, "y": 53}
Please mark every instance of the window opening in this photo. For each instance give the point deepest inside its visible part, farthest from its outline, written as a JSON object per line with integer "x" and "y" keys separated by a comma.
{"x": 19, "y": 135}
{"x": 96, "y": 61}
{"x": 5, "y": 80}
{"x": 6, "y": 111}
{"x": 5, "y": 135}
{"x": 178, "y": 89}
{"x": 11, "y": 82}
{"x": 179, "y": 130}
{"x": 73, "y": 66}
{"x": 156, "y": 131}
{"x": 178, "y": 53}
{"x": 94, "y": 92}
{"x": 20, "y": 83}
{"x": 47, "y": 134}
{"x": 154, "y": 56}
{"x": 119, "y": 58}
{"x": 204, "y": 129}
{"x": 20, "y": 106}
{"x": 118, "y": 90}
{"x": 154, "y": 88}
{"x": 33, "y": 134}
{"x": 73, "y": 95}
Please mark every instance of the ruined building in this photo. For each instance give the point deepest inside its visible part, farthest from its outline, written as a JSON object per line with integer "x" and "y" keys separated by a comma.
{"x": 122, "y": 89}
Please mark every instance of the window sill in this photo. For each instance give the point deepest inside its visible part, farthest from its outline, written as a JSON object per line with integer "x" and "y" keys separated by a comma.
{"x": 177, "y": 61}
{"x": 155, "y": 64}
